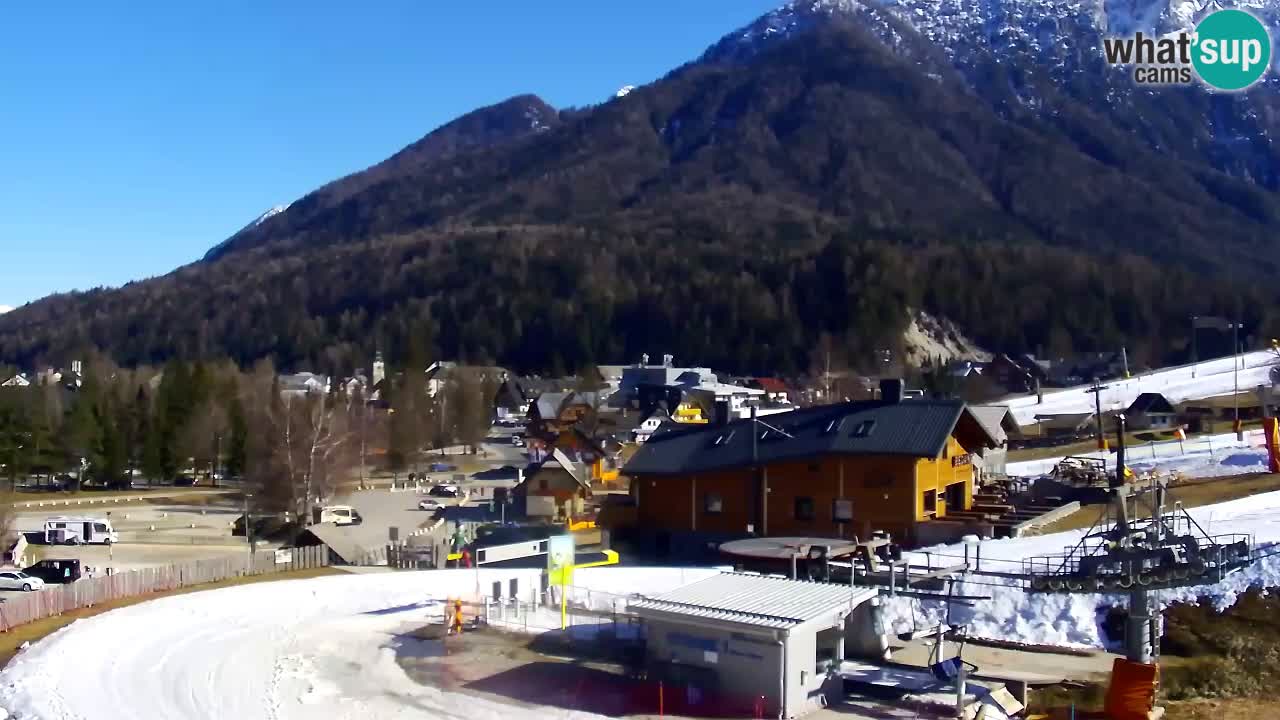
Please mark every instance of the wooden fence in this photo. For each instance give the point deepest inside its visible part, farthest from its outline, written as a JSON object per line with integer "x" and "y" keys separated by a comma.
{"x": 20, "y": 608}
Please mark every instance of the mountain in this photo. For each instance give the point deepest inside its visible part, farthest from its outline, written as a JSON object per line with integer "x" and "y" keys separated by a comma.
{"x": 1043, "y": 58}
{"x": 5, "y": 308}
{"x": 487, "y": 127}
{"x": 802, "y": 183}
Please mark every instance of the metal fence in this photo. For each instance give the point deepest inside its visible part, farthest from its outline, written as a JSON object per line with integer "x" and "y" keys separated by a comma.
{"x": 88, "y": 592}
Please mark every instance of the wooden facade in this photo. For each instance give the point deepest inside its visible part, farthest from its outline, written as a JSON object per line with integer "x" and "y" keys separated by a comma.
{"x": 835, "y": 495}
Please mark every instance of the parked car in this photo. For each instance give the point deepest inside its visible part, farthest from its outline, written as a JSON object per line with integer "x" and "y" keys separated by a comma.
{"x": 429, "y": 505}
{"x": 184, "y": 481}
{"x": 56, "y": 571}
{"x": 442, "y": 467}
{"x": 18, "y": 580}
{"x": 448, "y": 491}
{"x": 341, "y": 515}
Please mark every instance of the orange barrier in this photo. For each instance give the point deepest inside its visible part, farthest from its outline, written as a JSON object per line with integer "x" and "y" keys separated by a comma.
{"x": 1132, "y": 693}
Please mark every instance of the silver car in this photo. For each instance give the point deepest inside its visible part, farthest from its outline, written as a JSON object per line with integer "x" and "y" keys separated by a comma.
{"x": 18, "y": 580}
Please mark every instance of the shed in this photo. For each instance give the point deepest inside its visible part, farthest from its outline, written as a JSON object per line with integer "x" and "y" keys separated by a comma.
{"x": 1151, "y": 411}
{"x": 752, "y": 638}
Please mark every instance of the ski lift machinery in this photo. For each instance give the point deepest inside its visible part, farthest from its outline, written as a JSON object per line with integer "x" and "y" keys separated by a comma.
{"x": 1144, "y": 542}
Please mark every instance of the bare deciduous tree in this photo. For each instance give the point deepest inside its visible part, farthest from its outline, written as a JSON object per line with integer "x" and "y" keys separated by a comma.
{"x": 302, "y": 445}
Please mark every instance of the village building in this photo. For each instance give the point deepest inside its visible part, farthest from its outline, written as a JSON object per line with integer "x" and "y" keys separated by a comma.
{"x": 1151, "y": 411}
{"x": 838, "y": 471}
{"x": 1000, "y": 424}
{"x": 555, "y": 489}
{"x": 16, "y": 381}
{"x": 755, "y": 646}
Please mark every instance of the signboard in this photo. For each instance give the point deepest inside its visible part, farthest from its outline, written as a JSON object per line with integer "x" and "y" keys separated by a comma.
{"x": 284, "y": 557}
{"x": 959, "y": 460}
{"x": 560, "y": 556}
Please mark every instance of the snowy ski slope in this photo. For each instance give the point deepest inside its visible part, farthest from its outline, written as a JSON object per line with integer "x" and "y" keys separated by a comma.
{"x": 1185, "y": 382}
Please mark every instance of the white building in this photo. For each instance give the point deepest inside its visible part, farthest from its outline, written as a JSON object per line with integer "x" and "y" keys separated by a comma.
{"x": 303, "y": 383}
{"x": 755, "y": 637}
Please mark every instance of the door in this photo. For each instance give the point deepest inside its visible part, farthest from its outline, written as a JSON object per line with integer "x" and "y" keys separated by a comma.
{"x": 8, "y": 581}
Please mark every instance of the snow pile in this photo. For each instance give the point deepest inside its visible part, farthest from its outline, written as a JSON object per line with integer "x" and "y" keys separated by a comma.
{"x": 1185, "y": 382}
{"x": 1206, "y": 456}
{"x": 1072, "y": 620}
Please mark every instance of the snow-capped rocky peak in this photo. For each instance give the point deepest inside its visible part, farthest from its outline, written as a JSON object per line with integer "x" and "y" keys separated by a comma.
{"x": 1063, "y": 35}
{"x": 217, "y": 249}
{"x": 268, "y": 215}
{"x": 624, "y": 91}
{"x": 5, "y": 308}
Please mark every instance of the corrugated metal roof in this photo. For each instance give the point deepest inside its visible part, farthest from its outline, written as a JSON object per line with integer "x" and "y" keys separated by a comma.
{"x": 914, "y": 428}
{"x": 992, "y": 418}
{"x": 768, "y": 602}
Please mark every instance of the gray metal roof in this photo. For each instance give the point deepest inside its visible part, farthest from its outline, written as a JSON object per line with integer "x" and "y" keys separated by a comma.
{"x": 767, "y": 602}
{"x": 994, "y": 418}
{"x": 914, "y": 428}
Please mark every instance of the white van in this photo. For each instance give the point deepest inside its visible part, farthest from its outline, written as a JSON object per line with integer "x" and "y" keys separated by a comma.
{"x": 340, "y": 515}
{"x": 79, "y": 530}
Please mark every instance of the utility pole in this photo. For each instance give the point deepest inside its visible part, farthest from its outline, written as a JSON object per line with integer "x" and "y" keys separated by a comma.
{"x": 248, "y": 531}
{"x": 757, "y": 481}
{"x": 1235, "y": 376}
{"x": 364, "y": 413}
{"x": 1097, "y": 415}
{"x": 1194, "y": 357}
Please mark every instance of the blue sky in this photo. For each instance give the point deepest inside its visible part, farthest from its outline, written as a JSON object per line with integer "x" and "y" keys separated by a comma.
{"x": 134, "y": 136}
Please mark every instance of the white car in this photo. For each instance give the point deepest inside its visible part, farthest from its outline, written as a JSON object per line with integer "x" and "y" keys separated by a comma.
{"x": 429, "y": 505}
{"x": 18, "y": 580}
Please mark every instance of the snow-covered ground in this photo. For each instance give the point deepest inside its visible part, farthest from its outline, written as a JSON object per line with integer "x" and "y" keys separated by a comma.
{"x": 319, "y": 648}
{"x": 1072, "y": 620}
{"x": 1186, "y": 382}
{"x": 1205, "y": 456}
{"x": 326, "y": 647}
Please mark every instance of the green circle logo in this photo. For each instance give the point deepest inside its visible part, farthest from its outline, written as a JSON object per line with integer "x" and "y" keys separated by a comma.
{"x": 1232, "y": 49}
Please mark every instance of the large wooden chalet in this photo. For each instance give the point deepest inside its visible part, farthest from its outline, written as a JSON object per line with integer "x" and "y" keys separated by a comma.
{"x": 839, "y": 471}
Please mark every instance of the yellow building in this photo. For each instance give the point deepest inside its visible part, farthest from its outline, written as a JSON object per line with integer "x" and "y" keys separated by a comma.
{"x": 842, "y": 470}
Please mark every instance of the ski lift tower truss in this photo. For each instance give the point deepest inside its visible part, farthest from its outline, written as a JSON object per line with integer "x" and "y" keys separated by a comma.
{"x": 1158, "y": 549}
{"x": 1140, "y": 546}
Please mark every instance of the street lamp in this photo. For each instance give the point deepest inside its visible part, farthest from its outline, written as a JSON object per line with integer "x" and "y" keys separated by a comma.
{"x": 248, "y": 532}
{"x": 111, "y": 548}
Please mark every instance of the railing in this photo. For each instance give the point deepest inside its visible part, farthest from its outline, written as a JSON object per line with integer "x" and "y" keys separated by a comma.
{"x": 1092, "y": 566}
{"x": 88, "y": 592}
